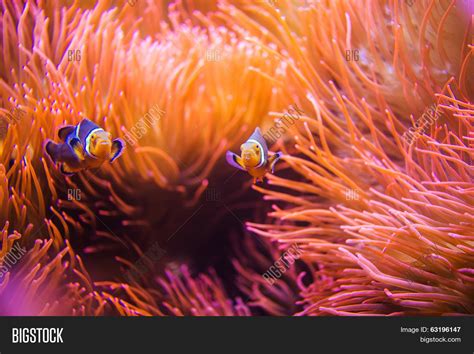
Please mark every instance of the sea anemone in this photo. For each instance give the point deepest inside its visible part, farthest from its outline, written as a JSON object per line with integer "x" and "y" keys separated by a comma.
{"x": 387, "y": 225}
{"x": 66, "y": 62}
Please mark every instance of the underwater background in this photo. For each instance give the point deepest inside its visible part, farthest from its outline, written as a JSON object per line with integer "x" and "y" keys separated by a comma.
{"x": 370, "y": 210}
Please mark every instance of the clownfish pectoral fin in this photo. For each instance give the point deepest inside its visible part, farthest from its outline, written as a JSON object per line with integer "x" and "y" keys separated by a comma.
{"x": 117, "y": 149}
{"x": 66, "y": 170}
{"x": 272, "y": 160}
{"x": 78, "y": 149}
{"x": 51, "y": 149}
{"x": 234, "y": 160}
{"x": 64, "y": 132}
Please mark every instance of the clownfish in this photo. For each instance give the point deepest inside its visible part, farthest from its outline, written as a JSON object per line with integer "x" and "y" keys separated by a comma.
{"x": 254, "y": 157}
{"x": 84, "y": 146}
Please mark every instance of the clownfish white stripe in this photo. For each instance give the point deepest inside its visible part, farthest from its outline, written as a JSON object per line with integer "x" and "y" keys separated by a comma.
{"x": 88, "y": 140}
{"x": 262, "y": 158}
{"x": 76, "y": 131}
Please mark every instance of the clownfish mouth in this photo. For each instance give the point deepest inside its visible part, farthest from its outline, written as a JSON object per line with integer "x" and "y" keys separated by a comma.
{"x": 102, "y": 149}
{"x": 249, "y": 160}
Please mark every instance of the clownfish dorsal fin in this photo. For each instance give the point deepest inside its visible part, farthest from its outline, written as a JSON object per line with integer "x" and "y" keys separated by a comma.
{"x": 257, "y": 138}
{"x": 257, "y": 135}
{"x": 87, "y": 122}
{"x": 65, "y": 131}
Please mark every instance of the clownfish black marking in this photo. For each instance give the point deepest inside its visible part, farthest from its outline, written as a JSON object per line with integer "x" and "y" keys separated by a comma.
{"x": 254, "y": 157}
{"x": 83, "y": 146}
